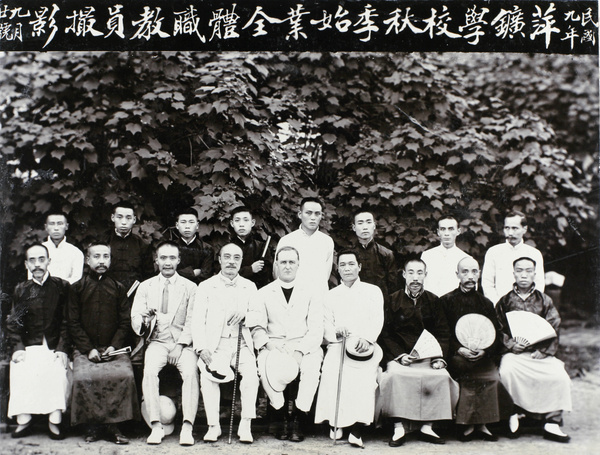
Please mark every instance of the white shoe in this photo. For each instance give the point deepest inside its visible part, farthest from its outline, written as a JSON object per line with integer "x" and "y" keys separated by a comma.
{"x": 244, "y": 432}
{"x": 354, "y": 441}
{"x": 156, "y": 436}
{"x": 185, "y": 437}
{"x": 213, "y": 433}
{"x": 339, "y": 434}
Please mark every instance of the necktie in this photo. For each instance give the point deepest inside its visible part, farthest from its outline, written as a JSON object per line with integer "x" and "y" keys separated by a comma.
{"x": 165, "y": 298}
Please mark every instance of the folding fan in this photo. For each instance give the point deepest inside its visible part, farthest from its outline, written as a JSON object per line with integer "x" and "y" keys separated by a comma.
{"x": 528, "y": 328}
{"x": 426, "y": 347}
{"x": 475, "y": 331}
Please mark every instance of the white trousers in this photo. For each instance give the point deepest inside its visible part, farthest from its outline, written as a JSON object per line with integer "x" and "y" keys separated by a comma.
{"x": 154, "y": 361}
{"x": 211, "y": 393}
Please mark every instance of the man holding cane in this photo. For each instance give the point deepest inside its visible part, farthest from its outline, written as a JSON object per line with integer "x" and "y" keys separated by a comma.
{"x": 219, "y": 312}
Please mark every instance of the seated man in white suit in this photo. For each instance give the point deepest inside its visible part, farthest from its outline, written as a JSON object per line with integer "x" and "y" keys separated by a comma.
{"x": 288, "y": 316}
{"x": 162, "y": 313}
{"x": 219, "y": 312}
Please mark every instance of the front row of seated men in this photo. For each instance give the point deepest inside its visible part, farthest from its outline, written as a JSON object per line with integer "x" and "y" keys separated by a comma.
{"x": 207, "y": 330}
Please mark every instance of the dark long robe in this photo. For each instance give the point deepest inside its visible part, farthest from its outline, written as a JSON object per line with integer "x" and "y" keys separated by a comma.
{"x": 98, "y": 316}
{"x": 378, "y": 267}
{"x": 131, "y": 259}
{"x": 416, "y": 392}
{"x": 483, "y": 399}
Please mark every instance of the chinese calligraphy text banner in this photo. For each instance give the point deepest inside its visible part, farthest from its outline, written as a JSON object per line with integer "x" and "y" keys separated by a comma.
{"x": 569, "y": 27}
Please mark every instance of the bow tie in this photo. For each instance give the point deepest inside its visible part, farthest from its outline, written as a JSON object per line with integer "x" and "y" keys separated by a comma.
{"x": 230, "y": 284}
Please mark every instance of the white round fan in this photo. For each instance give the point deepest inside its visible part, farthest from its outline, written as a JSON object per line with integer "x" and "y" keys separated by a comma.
{"x": 475, "y": 331}
{"x": 426, "y": 347}
{"x": 528, "y": 328}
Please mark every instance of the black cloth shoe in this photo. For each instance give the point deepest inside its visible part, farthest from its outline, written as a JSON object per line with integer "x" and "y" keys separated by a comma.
{"x": 556, "y": 437}
{"x": 486, "y": 436}
{"x": 397, "y": 442}
{"x": 113, "y": 434}
{"x": 92, "y": 434}
{"x": 25, "y": 431}
{"x": 57, "y": 436}
{"x": 462, "y": 437}
{"x": 431, "y": 439}
{"x": 279, "y": 421}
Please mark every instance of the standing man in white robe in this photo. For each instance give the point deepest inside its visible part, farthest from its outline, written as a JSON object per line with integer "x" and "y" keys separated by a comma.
{"x": 37, "y": 333}
{"x": 442, "y": 260}
{"x": 353, "y": 309}
{"x": 314, "y": 247}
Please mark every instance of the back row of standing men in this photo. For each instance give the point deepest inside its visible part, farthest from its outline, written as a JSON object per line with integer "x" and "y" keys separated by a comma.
{"x": 303, "y": 264}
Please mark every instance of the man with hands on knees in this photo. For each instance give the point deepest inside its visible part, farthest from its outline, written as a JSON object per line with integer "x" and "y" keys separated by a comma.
{"x": 219, "y": 311}
{"x": 37, "y": 333}
{"x": 286, "y": 318}
{"x": 162, "y": 314}
{"x": 98, "y": 319}
{"x": 415, "y": 390}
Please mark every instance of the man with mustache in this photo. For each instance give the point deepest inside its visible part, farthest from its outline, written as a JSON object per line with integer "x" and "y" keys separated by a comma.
{"x": 287, "y": 315}
{"x": 536, "y": 380}
{"x": 104, "y": 391}
{"x": 37, "y": 335}
{"x": 497, "y": 276}
{"x": 196, "y": 256}
{"x": 414, "y": 392}
{"x": 483, "y": 399}
{"x": 162, "y": 314}
{"x": 442, "y": 260}
{"x": 378, "y": 264}
{"x": 219, "y": 312}
{"x": 314, "y": 247}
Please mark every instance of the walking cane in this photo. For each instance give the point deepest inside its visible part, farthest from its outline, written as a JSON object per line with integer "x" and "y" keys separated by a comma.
{"x": 235, "y": 377}
{"x": 339, "y": 391}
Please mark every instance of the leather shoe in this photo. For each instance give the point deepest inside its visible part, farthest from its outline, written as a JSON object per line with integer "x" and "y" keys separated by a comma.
{"x": 244, "y": 431}
{"x": 296, "y": 434}
{"x": 213, "y": 433}
{"x": 556, "y": 437}
{"x": 156, "y": 436}
{"x": 24, "y": 431}
{"x": 91, "y": 434}
{"x": 114, "y": 435}
{"x": 397, "y": 442}
{"x": 281, "y": 431}
{"x": 429, "y": 438}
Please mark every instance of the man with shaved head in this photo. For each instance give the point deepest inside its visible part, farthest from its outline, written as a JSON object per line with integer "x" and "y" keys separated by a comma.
{"x": 219, "y": 312}
{"x": 482, "y": 399}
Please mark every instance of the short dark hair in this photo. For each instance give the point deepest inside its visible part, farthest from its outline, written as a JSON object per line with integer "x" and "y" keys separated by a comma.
{"x": 362, "y": 210}
{"x": 310, "y": 199}
{"x": 123, "y": 205}
{"x": 514, "y": 213}
{"x": 348, "y": 251}
{"x": 230, "y": 243}
{"x": 94, "y": 243}
{"x": 287, "y": 248}
{"x": 414, "y": 259}
{"x": 32, "y": 245}
{"x": 447, "y": 217}
{"x": 165, "y": 243}
{"x": 56, "y": 213}
{"x": 187, "y": 211}
{"x": 524, "y": 258}
{"x": 241, "y": 209}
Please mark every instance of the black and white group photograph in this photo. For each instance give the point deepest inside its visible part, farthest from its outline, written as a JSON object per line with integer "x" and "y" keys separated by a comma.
{"x": 279, "y": 227}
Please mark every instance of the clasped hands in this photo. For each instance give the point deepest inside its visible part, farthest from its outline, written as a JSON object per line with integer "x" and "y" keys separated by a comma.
{"x": 518, "y": 348}
{"x": 471, "y": 354}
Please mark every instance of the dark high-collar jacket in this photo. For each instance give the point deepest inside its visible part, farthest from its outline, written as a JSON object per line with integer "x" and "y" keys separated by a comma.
{"x": 253, "y": 249}
{"x": 38, "y": 312}
{"x": 98, "y": 313}
{"x": 378, "y": 267}
{"x": 405, "y": 320}
{"x": 197, "y": 255}
{"x": 131, "y": 259}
